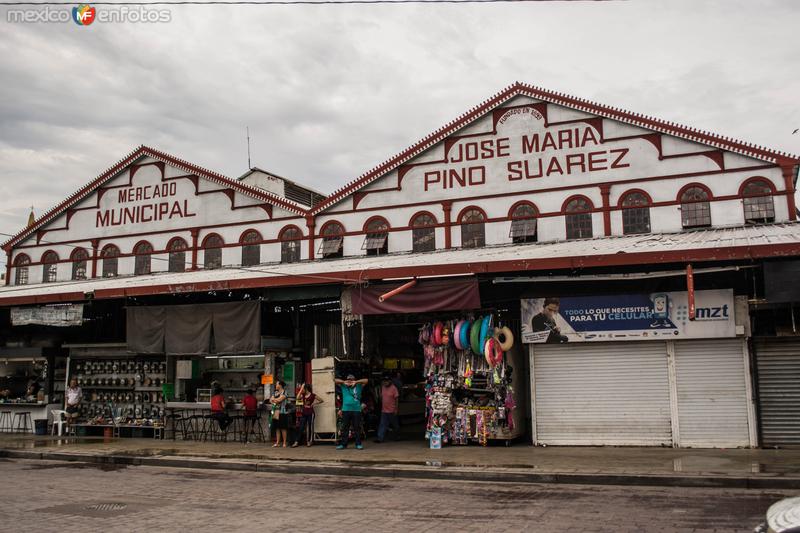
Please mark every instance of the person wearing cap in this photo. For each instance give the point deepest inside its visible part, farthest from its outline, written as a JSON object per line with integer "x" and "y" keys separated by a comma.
{"x": 351, "y": 409}
{"x": 389, "y": 409}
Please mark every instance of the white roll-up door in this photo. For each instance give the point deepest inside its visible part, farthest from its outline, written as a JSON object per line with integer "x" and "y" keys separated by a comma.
{"x": 602, "y": 393}
{"x": 779, "y": 390}
{"x": 712, "y": 393}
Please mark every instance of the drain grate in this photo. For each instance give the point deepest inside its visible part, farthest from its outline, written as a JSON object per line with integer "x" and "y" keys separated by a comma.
{"x": 106, "y": 507}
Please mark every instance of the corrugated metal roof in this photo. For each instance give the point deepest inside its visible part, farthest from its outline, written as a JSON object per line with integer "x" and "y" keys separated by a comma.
{"x": 475, "y": 260}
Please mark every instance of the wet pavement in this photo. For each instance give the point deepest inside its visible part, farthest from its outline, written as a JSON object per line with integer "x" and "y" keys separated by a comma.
{"x": 63, "y": 497}
{"x": 519, "y": 457}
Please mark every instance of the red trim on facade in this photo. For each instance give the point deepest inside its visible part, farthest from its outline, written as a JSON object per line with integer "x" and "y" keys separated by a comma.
{"x": 143, "y": 151}
{"x": 586, "y": 106}
{"x": 245, "y": 232}
{"x": 331, "y": 223}
{"x": 632, "y": 191}
{"x": 140, "y": 243}
{"x": 447, "y": 207}
{"x": 605, "y": 193}
{"x": 683, "y": 189}
{"x": 756, "y": 179}
{"x": 373, "y": 219}
{"x": 195, "y": 234}
{"x": 419, "y": 213}
{"x": 8, "y": 267}
{"x": 173, "y": 241}
{"x": 522, "y": 202}
{"x": 49, "y": 251}
{"x": 460, "y": 216}
{"x": 18, "y": 258}
{"x": 209, "y": 236}
{"x": 310, "y": 224}
{"x": 788, "y": 179}
{"x": 287, "y": 228}
{"x": 488, "y": 267}
{"x": 76, "y": 251}
{"x": 577, "y": 197}
{"x": 95, "y": 246}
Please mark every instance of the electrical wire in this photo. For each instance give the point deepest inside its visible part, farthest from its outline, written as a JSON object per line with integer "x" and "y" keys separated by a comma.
{"x": 287, "y": 2}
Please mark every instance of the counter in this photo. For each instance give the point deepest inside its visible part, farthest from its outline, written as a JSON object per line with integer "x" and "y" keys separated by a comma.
{"x": 38, "y": 411}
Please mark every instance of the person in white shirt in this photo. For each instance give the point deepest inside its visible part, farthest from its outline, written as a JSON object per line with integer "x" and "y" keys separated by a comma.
{"x": 73, "y": 398}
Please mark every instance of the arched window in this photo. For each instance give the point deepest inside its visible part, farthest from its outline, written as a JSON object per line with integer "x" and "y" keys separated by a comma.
{"x": 251, "y": 248}
{"x": 212, "y": 251}
{"x": 523, "y": 223}
{"x": 377, "y": 240}
{"x": 759, "y": 206}
{"x": 579, "y": 218}
{"x": 110, "y": 255}
{"x": 473, "y": 232}
{"x": 141, "y": 265}
{"x": 423, "y": 233}
{"x": 332, "y": 237}
{"x": 49, "y": 267}
{"x": 79, "y": 259}
{"x": 635, "y": 213}
{"x": 21, "y": 263}
{"x": 177, "y": 254}
{"x": 695, "y": 209}
{"x": 290, "y": 244}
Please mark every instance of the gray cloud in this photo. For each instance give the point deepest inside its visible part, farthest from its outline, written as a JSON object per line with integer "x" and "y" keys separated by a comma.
{"x": 331, "y": 91}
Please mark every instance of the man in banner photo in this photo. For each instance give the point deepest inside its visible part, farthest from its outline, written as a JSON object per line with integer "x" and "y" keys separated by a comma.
{"x": 543, "y": 324}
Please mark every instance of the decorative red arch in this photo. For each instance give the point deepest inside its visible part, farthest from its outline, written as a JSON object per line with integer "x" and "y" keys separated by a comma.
{"x": 250, "y": 230}
{"x": 695, "y": 184}
{"x": 285, "y": 229}
{"x": 577, "y": 197}
{"x": 757, "y": 179}
{"x": 373, "y": 219}
{"x": 420, "y": 213}
{"x": 522, "y": 202}
{"x": 470, "y": 208}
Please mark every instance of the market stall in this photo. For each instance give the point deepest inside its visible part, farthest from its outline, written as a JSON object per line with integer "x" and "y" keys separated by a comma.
{"x": 28, "y": 389}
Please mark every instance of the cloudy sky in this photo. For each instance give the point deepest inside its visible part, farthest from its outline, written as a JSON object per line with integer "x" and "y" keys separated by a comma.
{"x": 330, "y": 91}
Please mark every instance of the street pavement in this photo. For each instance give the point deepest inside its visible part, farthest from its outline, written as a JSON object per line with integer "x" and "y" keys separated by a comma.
{"x": 66, "y": 496}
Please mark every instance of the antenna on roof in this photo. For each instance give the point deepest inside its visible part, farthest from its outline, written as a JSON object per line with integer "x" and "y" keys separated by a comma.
{"x": 248, "y": 148}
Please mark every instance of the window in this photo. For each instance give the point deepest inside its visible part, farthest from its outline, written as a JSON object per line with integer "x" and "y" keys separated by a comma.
{"x": 21, "y": 263}
{"x": 423, "y": 233}
{"x": 290, "y": 245}
{"x": 251, "y": 248}
{"x": 142, "y": 252}
{"x": 579, "y": 218}
{"x": 759, "y": 207}
{"x": 473, "y": 233}
{"x": 177, "y": 254}
{"x": 635, "y": 213}
{"x": 212, "y": 254}
{"x": 332, "y": 237}
{"x": 110, "y": 256}
{"x": 79, "y": 258}
{"x": 377, "y": 240}
{"x": 49, "y": 267}
{"x": 523, "y": 223}
{"x": 695, "y": 209}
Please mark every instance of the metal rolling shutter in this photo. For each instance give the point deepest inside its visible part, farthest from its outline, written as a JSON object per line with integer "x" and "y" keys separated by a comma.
{"x": 779, "y": 390}
{"x": 712, "y": 393}
{"x": 602, "y": 393}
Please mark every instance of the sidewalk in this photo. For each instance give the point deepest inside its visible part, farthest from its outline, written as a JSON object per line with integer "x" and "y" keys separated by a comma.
{"x": 520, "y": 463}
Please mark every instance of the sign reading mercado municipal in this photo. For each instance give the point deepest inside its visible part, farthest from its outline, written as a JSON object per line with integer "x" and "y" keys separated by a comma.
{"x": 628, "y": 317}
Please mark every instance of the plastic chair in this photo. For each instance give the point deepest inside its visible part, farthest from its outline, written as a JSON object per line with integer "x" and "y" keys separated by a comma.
{"x": 59, "y": 419}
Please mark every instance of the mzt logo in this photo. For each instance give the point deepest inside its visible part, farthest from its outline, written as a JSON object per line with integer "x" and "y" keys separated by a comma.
{"x": 83, "y": 15}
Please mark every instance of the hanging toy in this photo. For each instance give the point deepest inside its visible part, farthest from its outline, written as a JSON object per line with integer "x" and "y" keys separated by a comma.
{"x": 504, "y": 338}
{"x": 475, "y": 337}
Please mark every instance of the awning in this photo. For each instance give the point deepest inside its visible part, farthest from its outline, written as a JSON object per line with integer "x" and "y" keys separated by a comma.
{"x": 425, "y": 296}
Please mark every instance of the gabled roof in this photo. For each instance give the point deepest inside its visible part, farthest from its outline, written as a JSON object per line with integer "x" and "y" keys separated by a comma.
{"x": 144, "y": 151}
{"x": 287, "y": 180}
{"x": 572, "y": 102}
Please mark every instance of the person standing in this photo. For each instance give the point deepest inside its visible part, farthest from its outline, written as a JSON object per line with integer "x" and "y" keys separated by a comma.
{"x": 280, "y": 419}
{"x": 72, "y": 401}
{"x": 389, "y": 410}
{"x": 250, "y": 410}
{"x": 309, "y": 399}
{"x": 351, "y": 410}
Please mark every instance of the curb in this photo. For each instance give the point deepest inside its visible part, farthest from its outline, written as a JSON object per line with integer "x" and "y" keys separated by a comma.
{"x": 495, "y": 475}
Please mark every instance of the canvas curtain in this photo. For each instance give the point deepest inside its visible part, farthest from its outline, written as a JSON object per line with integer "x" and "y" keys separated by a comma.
{"x": 425, "y": 296}
{"x": 235, "y": 327}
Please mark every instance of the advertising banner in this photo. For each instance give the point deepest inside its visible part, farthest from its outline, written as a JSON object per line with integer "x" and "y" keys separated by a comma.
{"x": 60, "y": 316}
{"x": 628, "y": 317}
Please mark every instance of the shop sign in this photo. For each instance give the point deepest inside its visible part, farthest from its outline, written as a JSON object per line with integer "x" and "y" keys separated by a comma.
{"x": 61, "y": 315}
{"x": 628, "y": 317}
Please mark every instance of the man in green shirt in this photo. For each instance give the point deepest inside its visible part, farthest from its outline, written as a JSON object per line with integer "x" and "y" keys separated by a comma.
{"x": 351, "y": 409}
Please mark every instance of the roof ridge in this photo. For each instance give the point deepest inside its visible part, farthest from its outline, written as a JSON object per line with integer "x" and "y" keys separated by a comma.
{"x": 164, "y": 157}
{"x": 567, "y": 100}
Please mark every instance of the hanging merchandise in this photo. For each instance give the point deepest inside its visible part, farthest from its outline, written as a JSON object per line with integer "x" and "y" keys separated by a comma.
{"x": 468, "y": 381}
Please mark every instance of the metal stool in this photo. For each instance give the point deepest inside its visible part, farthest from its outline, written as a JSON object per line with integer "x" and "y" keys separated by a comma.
{"x": 5, "y": 422}
{"x": 23, "y": 422}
